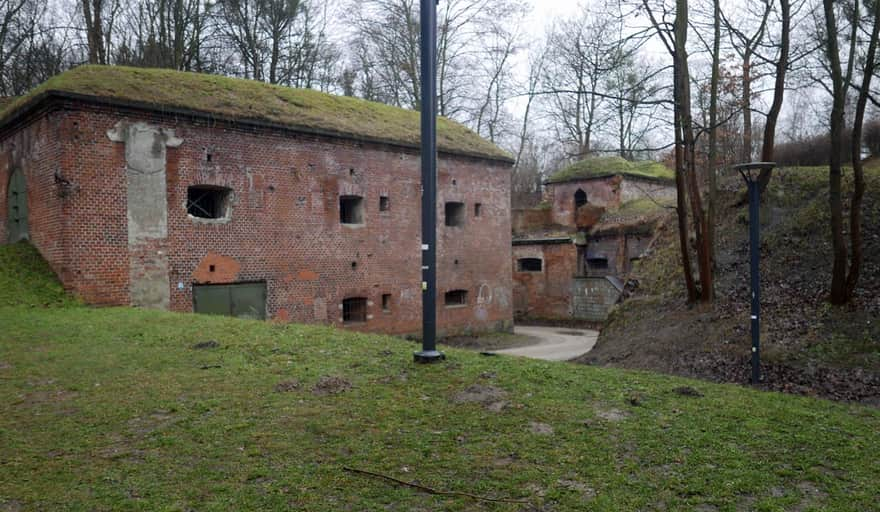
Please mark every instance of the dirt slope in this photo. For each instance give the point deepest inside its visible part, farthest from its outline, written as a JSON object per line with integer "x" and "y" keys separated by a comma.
{"x": 809, "y": 346}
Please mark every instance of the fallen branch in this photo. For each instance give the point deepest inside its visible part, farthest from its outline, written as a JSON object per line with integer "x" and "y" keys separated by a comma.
{"x": 433, "y": 491}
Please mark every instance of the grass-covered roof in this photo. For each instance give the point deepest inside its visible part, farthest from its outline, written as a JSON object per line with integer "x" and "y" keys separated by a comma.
{"x": 248, "y": 100}
{"x": 6, "y": 101}
{"x": 597, "y": 167}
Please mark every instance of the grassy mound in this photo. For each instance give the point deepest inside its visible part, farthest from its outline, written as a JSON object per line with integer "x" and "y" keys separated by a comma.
{"x": 126, "y": 409}
{"x": 815, "y": 347}
{"x": 597, "y": 167}
{"x": 238, "y": 99}
{"x": 26, "y": 279}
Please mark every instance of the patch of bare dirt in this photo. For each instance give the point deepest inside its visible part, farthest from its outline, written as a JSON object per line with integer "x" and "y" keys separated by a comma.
{"x": 541, "y": 429}
{"x": 587, "y": 492}
{"x": 490, "y": 397}
{"x": 287, "y": 386}
{"x": 10, "y": 505}
{"x": 202, "y": 345}
{"x": 153, "y": 422}
{"x": 331, "y": 385}
{"x": 612, "y": 414}
{"x": 687, "y": 391}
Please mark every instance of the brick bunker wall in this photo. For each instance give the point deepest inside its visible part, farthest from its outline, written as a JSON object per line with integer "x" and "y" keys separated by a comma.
{"x": 34, "y": 149}
{"x": 601, "y": 192}
{"x": 284, "y": 228}
{"x": 545, "y": 294}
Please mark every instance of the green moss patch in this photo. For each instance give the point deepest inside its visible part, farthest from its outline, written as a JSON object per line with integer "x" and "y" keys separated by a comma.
{"x": 235, "y": 98}
{"x": 607, "y": 166}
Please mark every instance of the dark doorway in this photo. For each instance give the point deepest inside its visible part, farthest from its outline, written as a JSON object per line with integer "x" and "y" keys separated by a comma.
{"x": 16, "y": 199}
{"x": 580, "y": 198}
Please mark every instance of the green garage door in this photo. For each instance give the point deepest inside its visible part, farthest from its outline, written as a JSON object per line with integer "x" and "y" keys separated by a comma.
{"x": 16, "y": 200}
{"x": 244, "y": 300}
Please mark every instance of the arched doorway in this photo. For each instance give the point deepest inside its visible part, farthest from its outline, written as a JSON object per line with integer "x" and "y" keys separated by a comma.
{"x": 580, "y": 198}
{"x": 16, "y": 200}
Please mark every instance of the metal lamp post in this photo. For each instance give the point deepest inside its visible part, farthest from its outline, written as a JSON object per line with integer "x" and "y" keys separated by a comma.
{"x": 428, "y": 15}
{"x": 747, "y": 170}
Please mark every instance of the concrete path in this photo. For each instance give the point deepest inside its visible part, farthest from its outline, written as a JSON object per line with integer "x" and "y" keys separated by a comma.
{"x": 556, "y": 343}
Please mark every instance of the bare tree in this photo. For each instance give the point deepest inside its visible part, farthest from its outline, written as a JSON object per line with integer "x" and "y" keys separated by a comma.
{"x": 386, "y": 42}
{"x": 674, "y": 37}
{"x": 745, "y": 45}
{"x": 782, "y": 62}
{"x": 18, "y": 26}
{"x": 583, "y": 52}
{"x": 838, "y": 87}
{"x": 100, "y": 17}
{"x": 164, "y": 34}
{"x": 633, "y": 86}
{"x": 855, "y": 227}
{"x": 476, "y": 40}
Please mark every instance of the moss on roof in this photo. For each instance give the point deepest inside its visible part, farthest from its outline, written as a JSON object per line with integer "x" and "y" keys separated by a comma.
{"x": 244, "y": 100}
{"x": 6, "y": 100}
{"x": 597, "y": 167}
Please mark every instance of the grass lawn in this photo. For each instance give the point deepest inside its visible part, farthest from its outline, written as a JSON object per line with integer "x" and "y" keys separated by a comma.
{"x": 113, "y": 409}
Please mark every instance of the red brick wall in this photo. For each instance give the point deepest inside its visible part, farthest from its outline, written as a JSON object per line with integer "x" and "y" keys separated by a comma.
{"x": 601, "y": 192}
{"x": 531, "y": 219}
{"x": 545, "y": 294}
{"x": 285, "y": 228}
{"x": 35, "y": 149}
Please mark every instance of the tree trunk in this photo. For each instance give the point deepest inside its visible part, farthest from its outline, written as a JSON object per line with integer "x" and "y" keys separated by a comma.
{"x": 746, "y": 151}
{"x": 838, "y": 269}
{"x": 683, "y": 142}
{"x": 704, "y": 263}
{"x": 855, "y": 213}
{"x": 713, "y": 138}
{"x": 778, "y": 92}
{"x": 92, "y": 10}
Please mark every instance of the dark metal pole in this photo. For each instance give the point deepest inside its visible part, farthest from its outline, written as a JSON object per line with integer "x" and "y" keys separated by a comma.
{"x": 755, "y": 254}
{"x": 429, "y": 353}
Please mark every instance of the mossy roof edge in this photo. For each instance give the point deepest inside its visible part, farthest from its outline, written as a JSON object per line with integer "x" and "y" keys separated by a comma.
{"x": 604, "y": 167}
{"x": 299, "y": 110}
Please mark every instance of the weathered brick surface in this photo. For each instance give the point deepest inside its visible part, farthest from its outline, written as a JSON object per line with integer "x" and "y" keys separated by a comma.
{"x": 284, "y": 227}
{"x": 601, "y": 192}
{"x": 545, "y": 294}
{"x": 35, "y": 149}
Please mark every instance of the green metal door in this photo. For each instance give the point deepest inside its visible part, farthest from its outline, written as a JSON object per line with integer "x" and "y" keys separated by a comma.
{"x": 243, "y": 300}
{"x": 248, "y": 300}
{"x": 211, "y": 299}
{"x": 16, "y": 199}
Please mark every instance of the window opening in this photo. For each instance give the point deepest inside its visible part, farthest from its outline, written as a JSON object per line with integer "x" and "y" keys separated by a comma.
{"x": 530, "y": 264}
{"x": 386, "y": 302}
{"x": 478, "y": 209}
{"x": 354, "y": 309}
{"x": 597, "y": 263}
{"x": 351, "y": 209}
{"x": 207, "y": 201}
{"x": 384, "y": 204}
{"x": 455, "y": 298}
{"x": 454, "y": 214}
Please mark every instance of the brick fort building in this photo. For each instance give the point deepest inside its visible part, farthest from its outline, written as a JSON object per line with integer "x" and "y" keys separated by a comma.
{"x": 188, "y": 192}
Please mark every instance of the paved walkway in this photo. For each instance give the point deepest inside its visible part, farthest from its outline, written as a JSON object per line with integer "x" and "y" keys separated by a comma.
{"x": 557, "y": 343}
